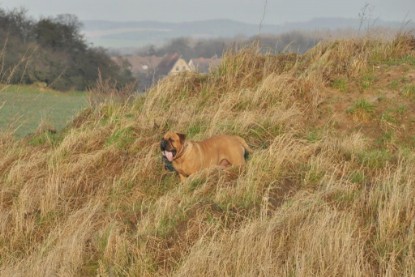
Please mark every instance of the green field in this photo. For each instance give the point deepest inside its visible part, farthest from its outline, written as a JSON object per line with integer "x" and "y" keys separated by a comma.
{"x": 23, "y": 108}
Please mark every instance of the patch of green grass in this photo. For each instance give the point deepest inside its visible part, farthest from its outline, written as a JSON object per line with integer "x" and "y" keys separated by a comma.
{"x": 367, "y": 81}
{"x": 389, "y": 117}
{"x": 263, "y": 134}
{"x": 45, "y": 138}
{"x": 313, "y": 177}
{"x": 340, "y": 84}
{"x": 361, "y": 105}
{"x": 196, "y": 182}
{"x": 109, "y": 113}
{"x": 121, "y": 138}
{"x": 122, "y": 188}
{"x": 409, "y": 91}
{"x": 101, "y": 239}
{"x": 375, "y": 159}
{"x": 314, "y": 135}
{"x": 385, "y": 248}
{"x": 394, "y": 85}
{"x": 90, "y": 268}
{"x": 49, "y": 218}
{"x": 246, "y": 199}
{"x": 196, "y": 127}
{"x": 22, "y": 108}
{"x": 408, "y": 59}
{"x": 394, "y": 115}
{"x": 357, "y": 177}
{"x": 384, "y": 138}
{"x": 401, "y": 110}
{"x": 139, "y": 102}
{"x": 169, "y": 223}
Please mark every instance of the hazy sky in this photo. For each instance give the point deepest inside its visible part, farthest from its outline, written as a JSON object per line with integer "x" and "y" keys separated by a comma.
{"x": 276, "y": 12}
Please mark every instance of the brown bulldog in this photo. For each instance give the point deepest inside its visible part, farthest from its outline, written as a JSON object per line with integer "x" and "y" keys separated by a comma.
{"x": 188, "y": 157}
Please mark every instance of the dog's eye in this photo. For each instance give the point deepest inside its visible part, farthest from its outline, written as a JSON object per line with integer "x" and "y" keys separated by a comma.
{"x": 171, "y": 140}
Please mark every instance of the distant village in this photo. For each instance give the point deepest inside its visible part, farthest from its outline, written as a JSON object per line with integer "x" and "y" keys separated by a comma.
{"x": 151, "y": 63}
{"x": 149, "y": 69}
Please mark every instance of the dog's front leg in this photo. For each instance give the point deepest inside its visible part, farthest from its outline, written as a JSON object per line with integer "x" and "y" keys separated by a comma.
{"x": 182, "y": 178}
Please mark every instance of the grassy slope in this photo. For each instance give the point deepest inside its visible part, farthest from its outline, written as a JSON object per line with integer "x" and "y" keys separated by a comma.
{"x": 329, "y": 190}
{"x": 25, "y": 107}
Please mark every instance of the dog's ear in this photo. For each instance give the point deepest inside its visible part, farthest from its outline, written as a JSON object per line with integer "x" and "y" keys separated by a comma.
{"x": 182, "y": 137}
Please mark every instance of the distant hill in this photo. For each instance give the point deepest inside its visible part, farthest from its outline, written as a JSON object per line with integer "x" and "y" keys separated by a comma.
{"x": 139, "y": 33}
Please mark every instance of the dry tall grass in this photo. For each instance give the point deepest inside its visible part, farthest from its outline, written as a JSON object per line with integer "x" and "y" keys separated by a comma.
{"x": 325, "y": 193}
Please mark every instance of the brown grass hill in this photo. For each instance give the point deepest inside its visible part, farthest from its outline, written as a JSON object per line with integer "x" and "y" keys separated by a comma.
{"x": 328, "y": 191}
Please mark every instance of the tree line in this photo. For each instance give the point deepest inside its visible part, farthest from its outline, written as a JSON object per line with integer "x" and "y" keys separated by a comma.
{"x": 54, "y": 52}
{"x": 189, "y": 48}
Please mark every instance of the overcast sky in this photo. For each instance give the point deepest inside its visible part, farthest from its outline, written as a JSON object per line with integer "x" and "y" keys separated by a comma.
{"x": 276, "y": 11}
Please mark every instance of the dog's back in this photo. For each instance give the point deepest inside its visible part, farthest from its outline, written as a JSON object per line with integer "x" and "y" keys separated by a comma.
{"x": 233, "y": 149}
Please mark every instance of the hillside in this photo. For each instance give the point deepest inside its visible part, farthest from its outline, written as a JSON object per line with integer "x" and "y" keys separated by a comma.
{"x": 328, "y": 191}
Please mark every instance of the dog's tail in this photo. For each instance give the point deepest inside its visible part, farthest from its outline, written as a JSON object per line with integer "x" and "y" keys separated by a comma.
{"x": 247, "y": 149}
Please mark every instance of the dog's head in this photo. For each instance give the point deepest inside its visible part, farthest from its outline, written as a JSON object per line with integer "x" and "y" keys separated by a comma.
{"x": 171, "y": 144}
